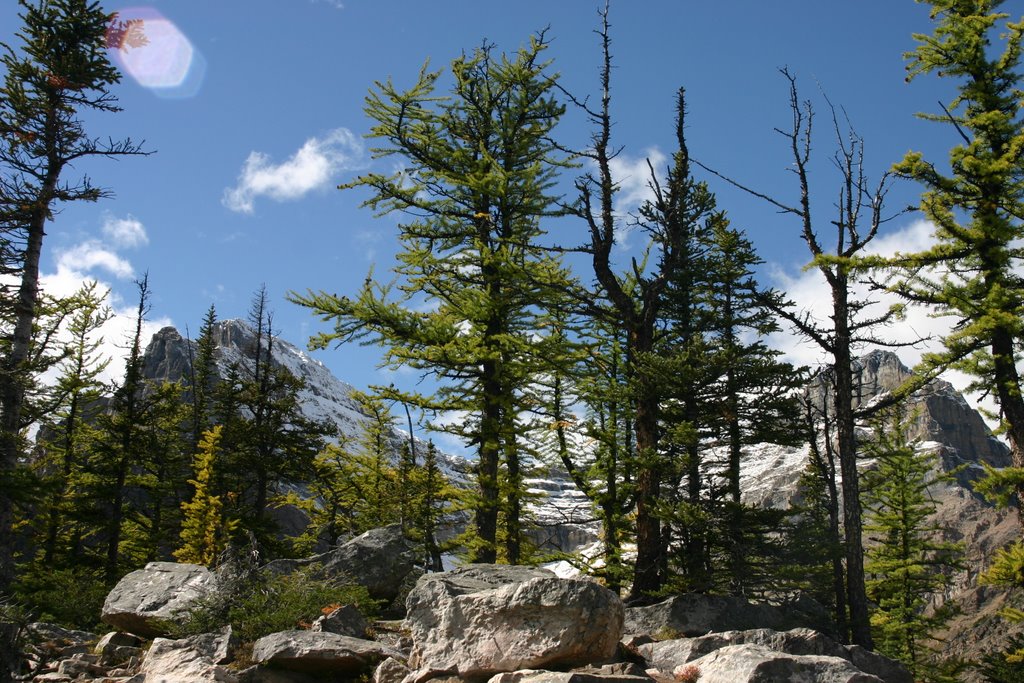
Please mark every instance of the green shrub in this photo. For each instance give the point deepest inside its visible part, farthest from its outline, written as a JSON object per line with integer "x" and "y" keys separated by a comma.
{"x": 71, "y": 597}
{"x": 256, "y": 604}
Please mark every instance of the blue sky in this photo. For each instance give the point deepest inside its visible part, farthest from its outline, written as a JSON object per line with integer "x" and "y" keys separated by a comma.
{"x": 254, "y": 111}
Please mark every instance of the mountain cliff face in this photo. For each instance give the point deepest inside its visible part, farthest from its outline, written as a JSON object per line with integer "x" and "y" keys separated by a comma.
{"x": 323, "y": 398}
{"x": 942, "y": 422}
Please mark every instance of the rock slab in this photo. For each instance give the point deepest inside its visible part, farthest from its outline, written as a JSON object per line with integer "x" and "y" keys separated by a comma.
{"x": 146, "y": 597}
{"x": 694, "y": 614}
{"x": 196, "y": 659}
{"x": 758, "y": 664}
{"x": 461, "y": 624}
{"x": 319, "y": 653}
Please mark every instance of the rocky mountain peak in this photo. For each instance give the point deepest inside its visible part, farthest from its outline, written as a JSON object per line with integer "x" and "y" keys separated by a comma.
{"x": 936, "y": 413}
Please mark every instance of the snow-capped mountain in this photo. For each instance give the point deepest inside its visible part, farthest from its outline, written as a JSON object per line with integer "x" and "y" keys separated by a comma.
{"x": 324, "y": 397}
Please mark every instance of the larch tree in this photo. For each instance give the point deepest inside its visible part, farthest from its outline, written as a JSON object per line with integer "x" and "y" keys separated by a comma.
{"x": 475, "y": 183}
{"x": 972, "y": 272}
{"x": 60, "y": 72}
{"x": 80, "y": 391}
{"x": 204, "y": 529}
{"x": 908, "y": 562}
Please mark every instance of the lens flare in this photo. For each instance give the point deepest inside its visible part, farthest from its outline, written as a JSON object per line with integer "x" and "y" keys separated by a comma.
{"x": 153, "y": 51}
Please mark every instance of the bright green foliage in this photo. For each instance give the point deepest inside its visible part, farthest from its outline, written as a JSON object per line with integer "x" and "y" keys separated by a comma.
{"x": 971, "y": 274}
{"x": 586, "y": 370}
{"x": 355, "y": 485}
{"x": 77, "y": 391}
{"x": 358, "y": 485}
{"x": 1007, "y": 569}
{"x": 204, "y": 529}
{"x": 477, "y": 168}
{"x": 906, "y": 563}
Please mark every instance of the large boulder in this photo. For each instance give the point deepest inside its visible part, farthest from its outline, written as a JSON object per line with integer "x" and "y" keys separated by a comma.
{"x": 382, "y": 560}
{"x": 145, "y": 600}
{"x": 474, "y": 622}
{"x": 669, "y": 655}
{"x": 759, "y": 664}
{"x": 195, "y": 659}
{"x": 319, "y": 653}
{"x": 695, "y": 614}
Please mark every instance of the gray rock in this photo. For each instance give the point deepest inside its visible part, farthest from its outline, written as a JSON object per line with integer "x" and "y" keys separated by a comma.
{"x": 144, "y": 600}
{"x": 116, "y": 647}
{"x": 382, "y": 560}
{"x": 81, "y": 665}
{"x": 461, "y": 624}
{"x": 889, "y": 670}
{"x": 116, "y": 639}
{"x": 759, "y": 664}
{"x": 319, "y": 653}
{"x": 40, "y": 631}
{"x": 473, "y": 578}
{"x": 694, "y": 614}
{"x": 198, "y": 658}
{"x": 345, "y": 621}
{"x": 390, "y": 671}
{"x": 541, "y": 676}
{"x": 667, "y": 656}
{"x": 259, "y": 674}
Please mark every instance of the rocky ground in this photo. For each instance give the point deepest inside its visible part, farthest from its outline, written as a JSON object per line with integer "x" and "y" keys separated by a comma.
{"x": 501, "y": 624}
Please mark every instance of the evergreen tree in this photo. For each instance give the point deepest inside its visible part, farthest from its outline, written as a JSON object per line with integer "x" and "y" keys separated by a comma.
{"x": 756, "y": 392}
{"x": 204, "y": 528}
{"x": 60, "y": 73}
{"x": 434, "y": 502}
{"x": 202, "y": 376}
{"x": 477, "y": 170}
{"x": 634, "y": 302}
{"x": 971, "y": 273}
{"x": 906, "y": 562}
{"x": 815, "y": 538}
{"x": 584, "y": 370}
{"x": 79, "y": 391}
{"x": 266, "y": 439}
{"x": 137, "y": 466}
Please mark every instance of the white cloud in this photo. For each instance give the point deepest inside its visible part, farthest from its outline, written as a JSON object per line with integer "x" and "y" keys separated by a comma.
{"x": 309, "y": 169}
{"x": 92, "y": 255}
{"x": 633, "y": 177}
{"x": 813, "y": 296}
{"x": 125, "y": 232}
{"x": 98, "y": 261}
